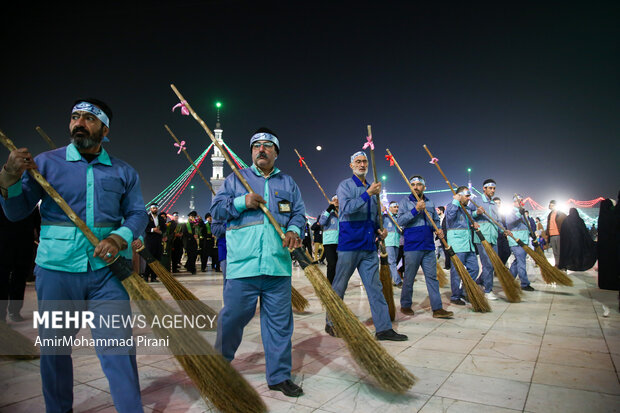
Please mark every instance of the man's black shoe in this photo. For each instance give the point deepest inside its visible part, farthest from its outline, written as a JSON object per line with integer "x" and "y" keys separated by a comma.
{"x": 287, "y": 387}
{"x": 458, "y": 301}
{"x": 391, "y": 335}
{"x": 330, "y": 330}
{"x": 528, "y": 288}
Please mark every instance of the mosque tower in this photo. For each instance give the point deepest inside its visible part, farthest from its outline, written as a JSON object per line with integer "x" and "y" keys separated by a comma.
{"x": 217, "y": 179}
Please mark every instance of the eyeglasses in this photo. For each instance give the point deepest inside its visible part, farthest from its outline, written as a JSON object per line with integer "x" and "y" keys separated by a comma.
{"x": 265, "y": 144}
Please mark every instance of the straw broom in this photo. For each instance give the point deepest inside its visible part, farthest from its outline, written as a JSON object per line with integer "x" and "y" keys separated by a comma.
{"x": 367, "y": 352}
{"x": 299, "y": 302}
{"x": 385, "y": 275}
{"x": 512, "y": 290}
{"x": 477, "y": 299}
{"x": 505, "y": 277}
{"x": 216, "y": 380}
{"x": 188, "y": 302}
{"x": 549, "y": 273}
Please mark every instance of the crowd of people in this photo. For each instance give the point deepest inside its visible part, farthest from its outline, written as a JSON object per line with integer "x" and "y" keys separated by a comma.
{"x": 253, "y": 255}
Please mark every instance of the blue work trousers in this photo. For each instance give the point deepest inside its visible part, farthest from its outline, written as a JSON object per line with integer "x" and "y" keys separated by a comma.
{"x": 93, "y": 291}
{"x": 487, "y": 272}
{"x": 470, "y": 261}
{"x": 367, "y": 264}
{"x": 392, "y": 253}
{"x": 519, "y": 265}
{"x": 413, "y": 260}
{"x": 276, "y": 320}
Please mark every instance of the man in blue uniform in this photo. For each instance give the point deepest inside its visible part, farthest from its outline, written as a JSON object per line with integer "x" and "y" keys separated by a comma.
{"x": 329, "y": 221}
{"x": 461, "y": 240}
{"x": 258, "y": 262}
{"x": 419, "y": 248}
{"x": 105, "y": 193}
{"x": 358, "y": 229}
{"x": 516, "y": 224}
{"x": 490, "y": 233}
{"x": 392, "y": 241}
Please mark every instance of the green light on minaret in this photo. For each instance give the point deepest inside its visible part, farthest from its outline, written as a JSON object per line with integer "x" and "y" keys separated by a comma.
{"x": 218, "y": 104}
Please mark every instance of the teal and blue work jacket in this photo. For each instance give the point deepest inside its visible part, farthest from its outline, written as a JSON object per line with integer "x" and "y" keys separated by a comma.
{"x": 104, "y": 193}
{"x": 487, "y": 227}
{"x": 515, "y": 223}
{"x": 459, "y": 227}
{"x": 417, "y": 229}
{"x": 358, "y": 216}
{"x": 253, "y": 247}
{"x": 393, "y": 236}
{"x": 329, "y": 222}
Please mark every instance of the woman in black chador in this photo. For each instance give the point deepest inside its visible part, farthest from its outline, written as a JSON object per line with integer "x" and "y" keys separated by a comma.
{"x": 609, "y": 246}
{"x": 578, "y": 252}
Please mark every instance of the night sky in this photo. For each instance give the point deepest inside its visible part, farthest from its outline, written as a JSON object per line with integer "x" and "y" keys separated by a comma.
{"x": 527, "y": 94}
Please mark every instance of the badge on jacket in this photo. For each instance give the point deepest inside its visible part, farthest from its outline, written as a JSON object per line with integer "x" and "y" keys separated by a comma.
{"x": 284, "y": 207}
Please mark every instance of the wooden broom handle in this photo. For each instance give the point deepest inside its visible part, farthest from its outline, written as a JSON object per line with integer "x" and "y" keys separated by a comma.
{"x": 232, "y": 165}
{"x": 444, "y": 242}
{"x": 312, "y": 175}
{"x": 45, "y": 136}
{"x": 190, "y": 160}
{"x": 374, "y": 172}
{"x": 54, "y": 195}
{"x": 450, "y": 186}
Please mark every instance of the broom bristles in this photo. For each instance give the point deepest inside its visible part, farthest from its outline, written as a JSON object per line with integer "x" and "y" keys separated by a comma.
{"x": 188, "y": 302}
{"x": 367, "y": 352}
{"x": 543, "y": 274}
{"x": 385, "y": 275}
{"x": 551, "y": 273}
{"x": 217, "y": 381}
{"x": 15, "y": 345}
{"x": 511, "y": 288}
{"x": 477, "y": 299}
{"x": 441, "y": 276}
{"x": 299, "y": 302}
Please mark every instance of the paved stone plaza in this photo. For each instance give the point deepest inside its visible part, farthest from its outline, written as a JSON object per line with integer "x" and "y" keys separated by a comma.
{"x": 555, "y": 352}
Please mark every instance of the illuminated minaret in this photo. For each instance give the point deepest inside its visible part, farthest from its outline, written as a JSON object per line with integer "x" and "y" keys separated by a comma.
{"x": 217, "y": 179}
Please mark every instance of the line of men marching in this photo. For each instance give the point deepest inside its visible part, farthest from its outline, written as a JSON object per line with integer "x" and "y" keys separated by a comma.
{"x": 256, "y": 262}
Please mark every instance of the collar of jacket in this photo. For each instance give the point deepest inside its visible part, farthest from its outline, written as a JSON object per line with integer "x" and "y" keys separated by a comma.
{"x": 73, "y": 155}
{"x": 258, "y": 173}
{"x": 358, "y": 182}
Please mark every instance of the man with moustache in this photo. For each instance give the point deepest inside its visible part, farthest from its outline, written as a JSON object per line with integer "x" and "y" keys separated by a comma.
{"x": 258, "y": 262}
{"x": 105, "y": 193}
{"x": 419, "y": 248}
{"x": 490, "y": 233}
{"x": 358, "y": 229}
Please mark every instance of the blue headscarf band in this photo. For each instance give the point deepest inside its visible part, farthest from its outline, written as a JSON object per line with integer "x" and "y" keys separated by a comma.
{"x": 488, "y": 184}
{"x": 90, "y": 108}
{"x": 358, "y": 153}
{"x": 465, "y": 192}
{"x": 263, "y": 136}
{"x": 417, "y": 180}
